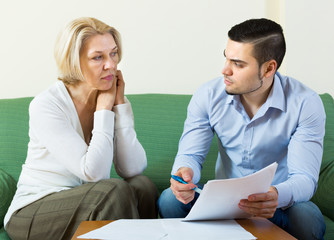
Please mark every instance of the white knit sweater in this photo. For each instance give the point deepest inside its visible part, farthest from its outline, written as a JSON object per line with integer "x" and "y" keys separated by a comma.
{"x": 58, "y": 157}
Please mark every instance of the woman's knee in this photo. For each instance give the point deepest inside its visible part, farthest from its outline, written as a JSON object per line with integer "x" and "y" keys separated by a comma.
{"x": 119, "y": 190}
{"x": 143, "y": 186}
{"x": 118, "y": 201}
{"x": 147, "y": 196}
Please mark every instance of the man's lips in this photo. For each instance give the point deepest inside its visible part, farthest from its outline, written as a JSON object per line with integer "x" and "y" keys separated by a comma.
{"x": 227, "y": 81}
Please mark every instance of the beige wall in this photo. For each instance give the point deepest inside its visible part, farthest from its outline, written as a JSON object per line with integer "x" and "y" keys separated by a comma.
{"x": 170, "y": 46}
{"x": 310, "y": 37}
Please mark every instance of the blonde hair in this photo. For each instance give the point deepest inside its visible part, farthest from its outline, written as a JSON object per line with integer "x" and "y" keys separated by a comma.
{"x": 70, "y": 42}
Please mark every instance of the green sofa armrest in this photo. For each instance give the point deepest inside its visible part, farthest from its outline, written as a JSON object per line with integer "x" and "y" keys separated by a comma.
{"x": 7, "y": 191}
{"x": 324, "y": 197}
{"x": 3, "y": 234}
{"x": 14, "y": 124}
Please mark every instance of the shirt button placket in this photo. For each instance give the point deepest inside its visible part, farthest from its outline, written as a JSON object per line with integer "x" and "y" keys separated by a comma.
{"x": 246, "y": 146}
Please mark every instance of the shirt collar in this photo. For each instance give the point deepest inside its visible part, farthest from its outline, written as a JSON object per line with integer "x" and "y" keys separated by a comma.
{"x": 276, "y": 98}
{"x": 230, "y": 98}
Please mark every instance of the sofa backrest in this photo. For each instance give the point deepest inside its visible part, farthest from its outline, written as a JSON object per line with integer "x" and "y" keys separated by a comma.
{"x": 159, "y": 120}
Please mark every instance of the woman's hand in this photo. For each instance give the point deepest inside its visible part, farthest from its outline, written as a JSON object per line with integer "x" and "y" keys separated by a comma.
{"x": 106, "y": 99}
{"x": 114, "y": 96}
{"x": 120, "y": 85}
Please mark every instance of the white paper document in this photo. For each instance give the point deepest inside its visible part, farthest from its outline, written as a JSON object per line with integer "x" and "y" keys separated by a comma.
{"x": 219, "y": 199}
{"x": 169, "y": 229}
{"x": 133, "y": 229}
{"x": 205, "y": 230}
{"x": 218, "y": 202}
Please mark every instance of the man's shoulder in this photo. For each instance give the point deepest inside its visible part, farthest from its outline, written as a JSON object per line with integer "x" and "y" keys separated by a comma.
{"x": 211, "y": 95}
{"x": 212, "y": 88}
{"x": 292, "y": 86}
{"x": 295, "y": 91}
{"x": 216, "y": 83}
{"x": 299, "y": 97}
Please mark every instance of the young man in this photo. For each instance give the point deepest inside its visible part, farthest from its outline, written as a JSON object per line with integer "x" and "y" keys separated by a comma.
{"x": 260, "y": 117}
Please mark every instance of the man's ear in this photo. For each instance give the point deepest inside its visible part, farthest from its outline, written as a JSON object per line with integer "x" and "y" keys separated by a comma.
{"x": 270, "y": 68}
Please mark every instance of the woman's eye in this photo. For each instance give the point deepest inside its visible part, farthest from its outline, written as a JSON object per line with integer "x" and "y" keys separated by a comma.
{"x": 113, "y": 54}
{"x": 97, "y": 58}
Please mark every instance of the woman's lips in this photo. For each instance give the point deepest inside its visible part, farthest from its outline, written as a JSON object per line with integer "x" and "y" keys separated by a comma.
{"x": 109, "y": 77}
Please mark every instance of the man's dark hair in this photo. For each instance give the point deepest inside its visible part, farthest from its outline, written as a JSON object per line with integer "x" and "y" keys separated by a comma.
{"x": 265, "y": 35}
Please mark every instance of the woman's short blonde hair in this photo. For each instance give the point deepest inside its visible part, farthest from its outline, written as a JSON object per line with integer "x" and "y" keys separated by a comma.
{"x": 70, "y": 42}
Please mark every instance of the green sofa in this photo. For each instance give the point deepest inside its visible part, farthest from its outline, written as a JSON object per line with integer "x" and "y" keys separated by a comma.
{"x": 159, "y": 122}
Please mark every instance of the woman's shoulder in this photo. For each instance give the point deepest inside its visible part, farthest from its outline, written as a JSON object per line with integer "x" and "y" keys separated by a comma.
{"x": 56, "y": 96}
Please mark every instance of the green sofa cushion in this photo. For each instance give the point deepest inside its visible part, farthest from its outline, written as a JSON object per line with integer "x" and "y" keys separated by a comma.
{"x": 329, "y": 234}
{"x": 7, "y": 191}
{"x": 324, "y": 197}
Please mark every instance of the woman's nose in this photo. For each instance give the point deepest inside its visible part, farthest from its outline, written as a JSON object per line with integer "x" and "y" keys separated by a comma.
{"x": 110, "y": 64}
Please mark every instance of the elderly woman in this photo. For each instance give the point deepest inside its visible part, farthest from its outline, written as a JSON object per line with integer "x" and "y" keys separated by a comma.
{"x": 78, "y": 128}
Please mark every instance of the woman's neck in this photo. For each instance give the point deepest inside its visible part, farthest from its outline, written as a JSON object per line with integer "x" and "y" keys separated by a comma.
{"x": 82, "y": 94}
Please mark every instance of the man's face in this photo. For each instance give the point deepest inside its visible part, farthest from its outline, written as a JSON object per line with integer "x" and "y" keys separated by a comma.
{"x": 241, "y": 71}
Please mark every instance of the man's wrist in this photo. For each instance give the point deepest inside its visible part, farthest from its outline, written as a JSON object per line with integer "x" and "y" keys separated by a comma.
{"x": 275, "y": 189}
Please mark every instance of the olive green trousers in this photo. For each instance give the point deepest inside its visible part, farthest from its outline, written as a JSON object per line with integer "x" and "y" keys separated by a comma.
{"x": 58, "y": 215}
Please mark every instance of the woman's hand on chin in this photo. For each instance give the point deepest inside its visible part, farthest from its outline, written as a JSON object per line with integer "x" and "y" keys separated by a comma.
{"x": 120, "y": 85}
{"x": 106, "y": 98}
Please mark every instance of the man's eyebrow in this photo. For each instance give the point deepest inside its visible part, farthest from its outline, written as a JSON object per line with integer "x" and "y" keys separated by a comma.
{"x": 235, "y": 60}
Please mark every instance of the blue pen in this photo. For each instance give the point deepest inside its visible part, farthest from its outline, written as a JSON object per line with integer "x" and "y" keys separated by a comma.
{"x": 179, "y": 179}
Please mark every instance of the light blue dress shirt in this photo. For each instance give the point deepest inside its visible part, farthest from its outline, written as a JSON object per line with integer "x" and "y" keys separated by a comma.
{"x": 287, "y": 129}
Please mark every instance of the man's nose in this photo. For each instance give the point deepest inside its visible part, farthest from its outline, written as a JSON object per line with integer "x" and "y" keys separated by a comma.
{"x": 227, "y": 69}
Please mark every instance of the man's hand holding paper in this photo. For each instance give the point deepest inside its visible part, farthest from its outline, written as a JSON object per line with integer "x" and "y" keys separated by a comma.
{"x": 261, "y": 204}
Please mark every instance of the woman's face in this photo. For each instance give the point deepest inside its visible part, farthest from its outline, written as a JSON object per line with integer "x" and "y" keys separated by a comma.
{"x": 98, "y": 61}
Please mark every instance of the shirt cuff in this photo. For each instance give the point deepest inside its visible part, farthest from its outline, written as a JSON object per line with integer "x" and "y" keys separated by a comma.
{"x": 185, "y": 162}
{"x": 123, "y": 115}
{"x": 104, "y": 121}
{"x": 285, "y": 199}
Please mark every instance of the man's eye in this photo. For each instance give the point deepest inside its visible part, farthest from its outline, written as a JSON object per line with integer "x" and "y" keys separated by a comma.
{"x": 238, "y": 64}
